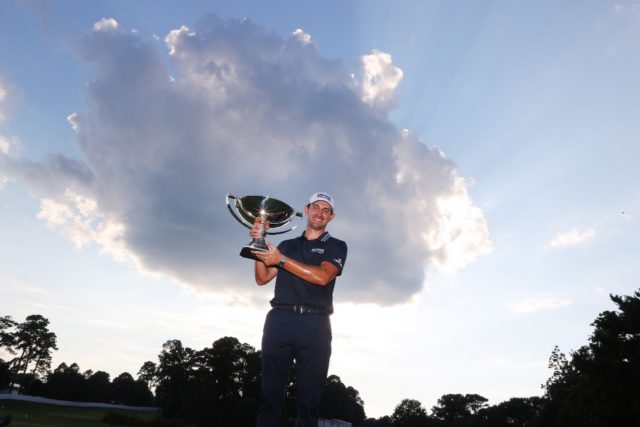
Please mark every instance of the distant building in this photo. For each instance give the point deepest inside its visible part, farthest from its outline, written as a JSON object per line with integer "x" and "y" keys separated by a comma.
{"x": 332, "y": 423}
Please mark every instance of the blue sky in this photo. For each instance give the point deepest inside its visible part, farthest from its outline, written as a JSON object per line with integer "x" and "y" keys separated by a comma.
{"x": 483, "y": 156}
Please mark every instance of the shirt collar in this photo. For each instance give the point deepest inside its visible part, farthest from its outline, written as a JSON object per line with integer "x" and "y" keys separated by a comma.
{"x": 323, "y": 237}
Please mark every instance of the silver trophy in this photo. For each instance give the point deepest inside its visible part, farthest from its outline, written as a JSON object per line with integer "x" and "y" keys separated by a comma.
{"x": 247, "y": 208}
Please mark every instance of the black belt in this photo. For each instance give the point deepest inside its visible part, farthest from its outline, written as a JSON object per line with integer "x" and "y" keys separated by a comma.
{"x": 301, "y": 309}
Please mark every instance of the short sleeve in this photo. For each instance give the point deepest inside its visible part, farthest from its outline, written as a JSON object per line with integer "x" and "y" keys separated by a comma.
{"x": 336, "y": 254}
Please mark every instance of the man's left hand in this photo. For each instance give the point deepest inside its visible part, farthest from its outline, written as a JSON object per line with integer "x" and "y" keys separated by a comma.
{"x": 271, "y": 257}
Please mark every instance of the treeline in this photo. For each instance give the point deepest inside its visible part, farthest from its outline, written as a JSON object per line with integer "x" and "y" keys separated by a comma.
{"x": 31, "y": 344}
{"x": 220, "y": 386}
{"x": 596, "y": 386}
{"x": 214, "y": 387}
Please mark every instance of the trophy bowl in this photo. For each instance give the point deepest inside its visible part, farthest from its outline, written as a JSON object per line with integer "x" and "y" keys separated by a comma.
{"x": 246, "y": 209}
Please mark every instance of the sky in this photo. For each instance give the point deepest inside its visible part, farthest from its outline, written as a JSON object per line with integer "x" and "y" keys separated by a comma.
{"x": 482, "y": 155}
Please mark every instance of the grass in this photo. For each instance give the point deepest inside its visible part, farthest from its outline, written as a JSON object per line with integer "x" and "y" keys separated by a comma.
{"x": 30, "y": 414}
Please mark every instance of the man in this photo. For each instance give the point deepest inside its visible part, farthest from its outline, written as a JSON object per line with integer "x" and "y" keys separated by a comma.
{"x": 298, "y": 327}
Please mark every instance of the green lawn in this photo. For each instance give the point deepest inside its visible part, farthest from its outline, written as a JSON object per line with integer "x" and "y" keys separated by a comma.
{"x": 29, "y": 414}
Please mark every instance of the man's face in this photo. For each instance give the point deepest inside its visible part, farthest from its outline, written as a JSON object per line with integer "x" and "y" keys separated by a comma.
{"x": 319, "y": 214}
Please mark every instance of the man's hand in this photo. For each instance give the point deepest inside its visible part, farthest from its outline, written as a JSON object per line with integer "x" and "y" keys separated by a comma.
{"x": 256, "y": 231}
{"x": 270, "y": 258}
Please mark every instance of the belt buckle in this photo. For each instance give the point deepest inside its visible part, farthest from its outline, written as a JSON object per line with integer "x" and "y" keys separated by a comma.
{"x": 299, "y": 309}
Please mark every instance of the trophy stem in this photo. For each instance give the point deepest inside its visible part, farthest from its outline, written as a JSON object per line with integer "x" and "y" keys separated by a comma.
{"x": 258, "y": 244}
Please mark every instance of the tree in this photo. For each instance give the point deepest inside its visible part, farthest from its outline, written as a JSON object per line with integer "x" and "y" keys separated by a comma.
{"x": 456, "y": 409}
{"x": 34, "y": 343}
{"x": 341, "y": 402}
{"x": 172, "y": 375}
{"x": 409, "y": 413}
{"x": 380, "y": 422}
{"x": 127, "y": 391}
{"x": 5, "y": 374}
{"x": 598, "y": 386}
{"x": 66, "y": 383}
{"x": 516, "y": 412}
{"x": 7, "y": 339}
{"x": 147, "y": 373}
{"x": 217, "y": 386}
{"x": 98, "y": 387}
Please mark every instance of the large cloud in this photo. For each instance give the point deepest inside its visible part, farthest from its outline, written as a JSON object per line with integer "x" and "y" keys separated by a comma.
{"x": 240, "y": 109}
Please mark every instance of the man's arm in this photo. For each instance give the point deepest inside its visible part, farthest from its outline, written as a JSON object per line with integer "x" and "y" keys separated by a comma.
{"x": 263, "y": 273}
{"x": 320, "y": 275}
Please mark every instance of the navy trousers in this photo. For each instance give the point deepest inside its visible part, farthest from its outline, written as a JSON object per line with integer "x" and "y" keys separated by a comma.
{"x": 305, "y": 338}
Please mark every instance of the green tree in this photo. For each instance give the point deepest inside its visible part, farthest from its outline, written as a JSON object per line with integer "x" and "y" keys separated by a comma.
{"x": 33, "y": 342}
{"x": 598, "y": 386}
{"x": 409, "y": 413}
{"x": 66, "y": 383}
{"x": 174, "y": 369}
{"x": 147, "y": 373}
{"x": 98, "y": 387}
{"x": 454, "y": 410}
{"x": 341, "y": 402}
{"x": 7, "y": 338}
{"x": 516, "y": 412}
{"x": 384, "y": 421}
{"x": 127, "y": 391}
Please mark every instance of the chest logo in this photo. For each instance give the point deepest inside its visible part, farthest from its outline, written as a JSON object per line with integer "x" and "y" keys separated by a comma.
{"x": 317, "y": 251}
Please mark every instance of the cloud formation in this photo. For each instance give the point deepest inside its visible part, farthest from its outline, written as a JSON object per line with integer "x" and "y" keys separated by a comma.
{"x": 533, "y": 305}
{"x": 246, "y": 111}
{"x": 572, "y": 238}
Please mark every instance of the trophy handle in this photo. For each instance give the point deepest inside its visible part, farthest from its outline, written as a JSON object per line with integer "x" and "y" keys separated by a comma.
{"x": 286, "y": 231}
{"x": 233, "y": 214}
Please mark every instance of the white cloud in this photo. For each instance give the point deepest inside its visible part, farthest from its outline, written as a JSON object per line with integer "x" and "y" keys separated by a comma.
{"x": 250, "y": 113}
{"x": 533, "y": 305}
{"x": 380, "y": 78}
{"x": 4, "y": 145}
{"x": 302, "y": 36}
{"x": 105, "y": 25}
{"x": 72, "y": 119}
{"x": 572, "y": 238}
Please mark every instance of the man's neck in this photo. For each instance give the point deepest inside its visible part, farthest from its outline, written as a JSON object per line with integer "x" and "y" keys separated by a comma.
{"x": 312, "y": 234}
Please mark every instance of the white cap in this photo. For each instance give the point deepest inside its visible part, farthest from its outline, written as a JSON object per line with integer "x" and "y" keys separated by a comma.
{"x": 325, "y": 197}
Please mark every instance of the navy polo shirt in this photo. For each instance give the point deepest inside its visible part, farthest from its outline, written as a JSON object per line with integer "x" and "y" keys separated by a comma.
{"x": 290, "y": 289}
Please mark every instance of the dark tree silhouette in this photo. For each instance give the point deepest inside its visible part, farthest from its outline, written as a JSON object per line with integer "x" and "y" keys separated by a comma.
{"x": 127, "y": 391}
{"x": 173, "y": 372}
{"x": 598, "y": 386}
{"x": 33, "y": 343}
{"x": 516, "y": 412}
{"x": 66, "y": 383}
{"x": 384, "y": 421}
{"x": 147, "y": 373}
{"x": 98, "y": 387}
{"x": 453, "y": 410}
{"x": 216, "y": 386}
{"x": 7, "y": 338}
{"x": 341, "y": 402}
{"x": 409, "y": 413}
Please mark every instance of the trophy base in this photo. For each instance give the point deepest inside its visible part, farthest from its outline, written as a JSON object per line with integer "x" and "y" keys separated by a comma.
{"x": 245, "y": 252}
